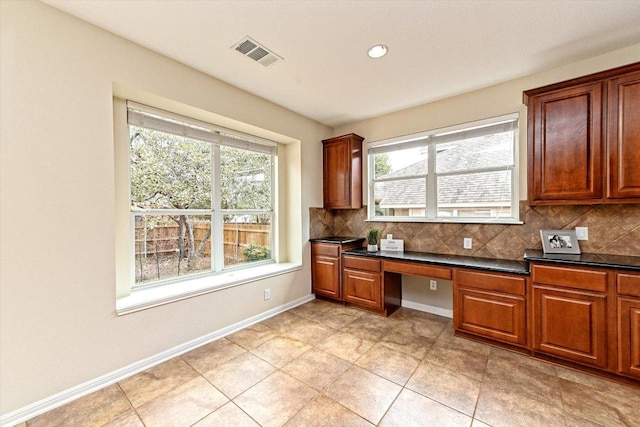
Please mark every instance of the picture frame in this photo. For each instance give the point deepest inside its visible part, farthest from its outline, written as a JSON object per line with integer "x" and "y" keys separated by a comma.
{"x": 559, "y": 242}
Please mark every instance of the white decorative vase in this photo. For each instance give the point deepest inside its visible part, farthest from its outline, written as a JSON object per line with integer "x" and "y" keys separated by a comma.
{"x": 372, "y": 248}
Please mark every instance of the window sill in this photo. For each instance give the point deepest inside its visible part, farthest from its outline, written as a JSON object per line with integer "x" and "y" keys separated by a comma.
{"x": 143, "y": 299}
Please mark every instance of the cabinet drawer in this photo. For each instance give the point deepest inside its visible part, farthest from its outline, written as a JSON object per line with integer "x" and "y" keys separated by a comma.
{"x": 325, "y": 249}
{"x": 629, "y": 284}
{"x": 576, "y": 278}
{"x": 361, "y": 263}
{"x": 491, "y": 282}
{"x": 418, "y": 269}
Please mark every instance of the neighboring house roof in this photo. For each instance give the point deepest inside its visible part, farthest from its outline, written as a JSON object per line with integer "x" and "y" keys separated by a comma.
{"x": 491, "y": 188}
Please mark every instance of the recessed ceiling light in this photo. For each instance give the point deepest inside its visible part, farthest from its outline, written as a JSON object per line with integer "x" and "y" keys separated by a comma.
{"x": 377, "y": 51}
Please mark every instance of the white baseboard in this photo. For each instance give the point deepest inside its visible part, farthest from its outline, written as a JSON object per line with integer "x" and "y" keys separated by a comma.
{"x": 428, "y": 309}
{"x": 66, "y": 396}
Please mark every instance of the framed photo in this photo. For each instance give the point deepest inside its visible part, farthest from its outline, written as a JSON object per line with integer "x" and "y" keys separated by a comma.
{"x": 559, "y": 242}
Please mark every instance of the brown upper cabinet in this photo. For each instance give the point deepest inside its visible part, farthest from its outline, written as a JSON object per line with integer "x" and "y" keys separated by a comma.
{"x": 623, "y": 136}
{"x": 342, "y": 172}
{"x": 584, "y": 139}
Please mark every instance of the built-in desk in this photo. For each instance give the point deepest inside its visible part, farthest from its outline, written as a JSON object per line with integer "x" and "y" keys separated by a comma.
{"x": 372, "y": 280}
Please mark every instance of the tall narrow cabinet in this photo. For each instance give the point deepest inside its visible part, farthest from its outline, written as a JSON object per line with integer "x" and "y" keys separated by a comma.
{"x": 342, "y": 172}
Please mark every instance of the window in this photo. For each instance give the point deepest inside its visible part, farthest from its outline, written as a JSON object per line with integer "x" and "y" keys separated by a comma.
{"x": 463, "y": 174}
{"x": 202, "y": 197}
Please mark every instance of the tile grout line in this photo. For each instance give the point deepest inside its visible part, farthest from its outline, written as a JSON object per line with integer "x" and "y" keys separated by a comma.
{"x": 135, "y": 410}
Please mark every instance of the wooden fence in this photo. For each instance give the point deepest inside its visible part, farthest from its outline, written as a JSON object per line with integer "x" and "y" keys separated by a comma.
{"x": 164, "y": 239}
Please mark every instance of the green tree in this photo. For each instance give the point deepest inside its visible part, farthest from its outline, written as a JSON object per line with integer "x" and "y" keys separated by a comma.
{"x": 382, "y": 165}
{"x": 246, "y": 179}
{"x": 173, "y": 172}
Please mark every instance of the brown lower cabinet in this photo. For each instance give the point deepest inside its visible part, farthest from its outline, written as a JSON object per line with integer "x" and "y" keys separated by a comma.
{"x": 491, "y": 305}
{"x": 629, "y": 339}
{"x": 326, "y": 268}
{"x": 571, "y": 314}
{"x": 365, "y": 285}
{"x": 326, "y": 276}
{"x": 570, "y": 324}
{"x": 628, "y": 288}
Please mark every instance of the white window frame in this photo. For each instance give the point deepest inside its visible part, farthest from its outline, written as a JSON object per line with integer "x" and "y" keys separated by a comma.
{"x": 163, "y": 121}
{"x": 430, "y": 140}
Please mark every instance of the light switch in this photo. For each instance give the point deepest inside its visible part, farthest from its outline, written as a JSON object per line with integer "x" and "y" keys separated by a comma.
{"x": 582, "y": 233}
{"x": 468, "y": 243}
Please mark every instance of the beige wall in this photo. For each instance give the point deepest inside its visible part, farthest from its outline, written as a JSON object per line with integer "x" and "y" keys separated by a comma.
{"x": 58, "y": 327}
{"x": 493, "y": 101}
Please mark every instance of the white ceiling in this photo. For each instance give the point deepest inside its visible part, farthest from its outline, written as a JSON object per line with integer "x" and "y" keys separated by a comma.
{"x": 437, "y": 49}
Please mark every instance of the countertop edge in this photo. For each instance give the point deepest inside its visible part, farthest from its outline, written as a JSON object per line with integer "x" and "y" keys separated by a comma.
{"x": 586, "y": 260}
{"x": 476, "y": 263}
{"x": 518, "y": 267}
{"x": 337, "y": 240}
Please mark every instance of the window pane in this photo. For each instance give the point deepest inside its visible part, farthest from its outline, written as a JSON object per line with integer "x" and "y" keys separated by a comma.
{"x": 170, "y": 246}
{"x": 168, "y": 171}
{"x": 247, "y": 239}
{"x": 401, "y": 163}
{"x": 245, "y": 180}
{"x": 407, "y": 197}
{"x": 475, "y": 195}
{"x": 475, "y": 153}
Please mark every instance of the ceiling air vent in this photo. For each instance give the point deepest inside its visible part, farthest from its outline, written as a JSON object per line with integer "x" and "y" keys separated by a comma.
{"x": 254, "y": 50}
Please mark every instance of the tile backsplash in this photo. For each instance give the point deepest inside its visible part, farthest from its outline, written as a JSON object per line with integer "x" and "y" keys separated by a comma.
{"x": 613, "y": 229}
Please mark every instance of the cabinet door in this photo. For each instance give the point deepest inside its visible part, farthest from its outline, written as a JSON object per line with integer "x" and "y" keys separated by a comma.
{"x": 362, "y": 288}
{"x": 570, "y": 324}
{"x": 325, "y": 273}
{"x": 623, "y": 136}
{"x": 629, "y": 336}
{"x": 492, "y": 315}
{"x": 337, "y": 174}
{"x": 342, "y": 172}
{"x": 565, "y": 145}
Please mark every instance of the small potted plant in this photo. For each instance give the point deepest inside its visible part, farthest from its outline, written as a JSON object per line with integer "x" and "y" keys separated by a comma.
{"x": 372, "y": 240}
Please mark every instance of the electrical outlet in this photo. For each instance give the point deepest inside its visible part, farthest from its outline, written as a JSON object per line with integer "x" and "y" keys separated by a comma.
{"x": 582, "y": 233}
{"x": 267, "y": 294}
{"x": 468, "y": 243}
{"x": 433, "y": 285}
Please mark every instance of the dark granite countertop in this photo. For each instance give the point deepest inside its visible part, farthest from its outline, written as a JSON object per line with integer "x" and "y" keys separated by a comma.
{"x": 488, "y": 264}
{"x": 622, "y": 262}
{"x": 343, "y": 240}
{"x": 588, "y": 260}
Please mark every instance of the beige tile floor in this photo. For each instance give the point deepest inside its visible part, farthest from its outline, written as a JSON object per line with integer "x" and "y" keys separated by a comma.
{"x": 322, "y": 364}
